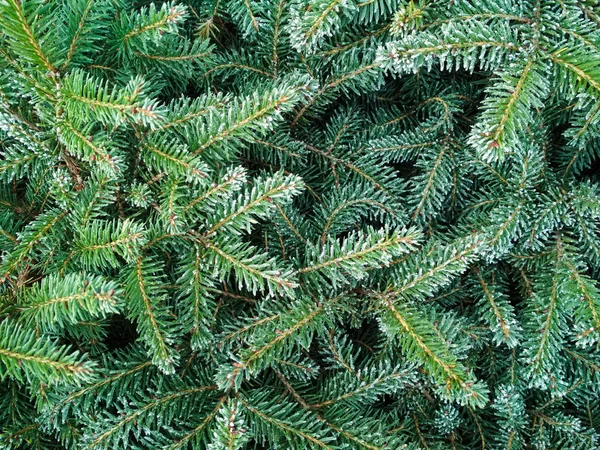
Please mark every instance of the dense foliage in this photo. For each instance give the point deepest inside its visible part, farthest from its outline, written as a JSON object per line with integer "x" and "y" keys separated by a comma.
{"x": 295, "y": 224}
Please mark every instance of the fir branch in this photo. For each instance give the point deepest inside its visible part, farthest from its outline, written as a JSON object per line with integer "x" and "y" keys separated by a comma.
{"x": 62, "y": 406}
{"x": 17, "y": 26}
{"x": 417, "y": 338}
{"x": 199, "y": 429}
{"x": 57, "y": 302}
{"x": 144, "y": 299}
{"x": 25, "y": 357}
{"x": 252, "y": 270}
{"x": 261, "y": 199}
{"x": 307, "y": 438}
{"x": 99, "y": 244}
{"x": 110, "y": 437}
{"x": 36, "y": 231}
{"x": 358, "y": 252}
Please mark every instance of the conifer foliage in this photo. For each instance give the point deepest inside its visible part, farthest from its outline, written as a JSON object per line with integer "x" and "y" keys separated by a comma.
{"x": 299, "y": 224}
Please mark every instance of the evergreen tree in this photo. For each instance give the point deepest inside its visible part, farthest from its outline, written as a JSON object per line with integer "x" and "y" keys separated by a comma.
{"x": 299, "y": 224}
